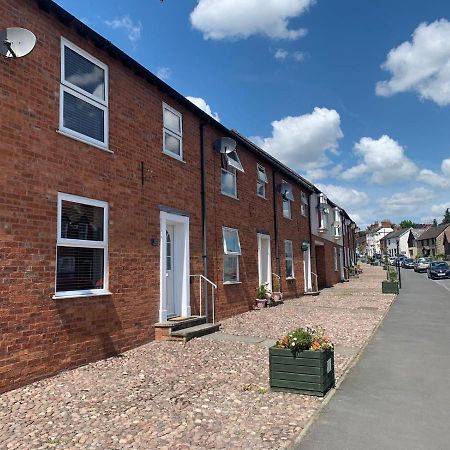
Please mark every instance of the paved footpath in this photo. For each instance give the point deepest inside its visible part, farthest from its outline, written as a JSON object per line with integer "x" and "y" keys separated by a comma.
{"x": 398, "y": 394}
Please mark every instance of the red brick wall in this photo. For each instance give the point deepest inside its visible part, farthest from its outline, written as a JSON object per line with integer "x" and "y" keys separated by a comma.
{"x": 41, "y": 336}
{"x": 324, "y": 263}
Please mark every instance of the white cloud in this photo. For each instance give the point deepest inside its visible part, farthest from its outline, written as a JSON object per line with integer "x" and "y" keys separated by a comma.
{"x": 237, "y": 19}
{"x": 356, "y": 203}
{"x": 301, "y": 142}
{"x": 281, "y": 54}
{"x": 383, "y": 159}
{"x": 134, "y": 30}
{"x": 321, "y": 173}
{"x": 440, "y": 209}
{"x": 433, "y": 178}
{"x": 354, "y": 172}
{"x": 347, "y": 198}
{"x": 406, "y": 203}
{"x": 437, "y": 179}
{"x": 298, "y": 56}
{"x": 201, "y": 103}
{"x": 445, "y": 167}
{"x": 164, "y": 73}
{"x": 421, "y": 66}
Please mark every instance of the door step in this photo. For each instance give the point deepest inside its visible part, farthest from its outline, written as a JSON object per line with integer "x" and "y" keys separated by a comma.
{"x": 186, "y": 334}
{"x": 314, "y": 293}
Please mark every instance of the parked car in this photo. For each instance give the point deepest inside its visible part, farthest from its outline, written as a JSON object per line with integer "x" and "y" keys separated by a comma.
{"x": 399, "y": 260}
{"x": 438, "y": 269}
{"x": 422, "y": 264}
{"x": 391, "y": 260}
{"x": 408, "y": 263}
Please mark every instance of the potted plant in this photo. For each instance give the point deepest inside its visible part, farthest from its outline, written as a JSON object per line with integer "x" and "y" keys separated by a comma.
{"x": 261, "y": 294}
{"x": 390, "y": 286}
{"x": 276, "y": 294}
{"x": 302, "y": 362}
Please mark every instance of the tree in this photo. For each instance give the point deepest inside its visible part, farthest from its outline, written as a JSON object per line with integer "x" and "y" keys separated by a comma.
{"x": 407, "y": 224}
{"x": 434, "y": 223}
{"x": 446, "y": 218}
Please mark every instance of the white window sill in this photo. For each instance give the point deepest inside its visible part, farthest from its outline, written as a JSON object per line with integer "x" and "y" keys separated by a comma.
{"x": 232, "y": 282}
{"x": 290, "y": 278}
{"x": 174, "y": 156}
{"x": 84, "y": 141}
{"x": 81, "y": 295}
{"x": 261, "y": 196}
{"x": 230, "y": 196}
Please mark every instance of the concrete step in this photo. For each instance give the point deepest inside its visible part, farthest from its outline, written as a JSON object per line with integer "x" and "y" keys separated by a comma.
{"x": 314, "y": 293}
{"x": 186, "y": 334}
{"x": 187, "y": 323}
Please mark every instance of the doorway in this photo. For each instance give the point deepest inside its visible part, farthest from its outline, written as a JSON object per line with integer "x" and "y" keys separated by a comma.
{"x": 264, "y": 260}
{"x": 307, "y": 269}
{"x": 174, "y": 267}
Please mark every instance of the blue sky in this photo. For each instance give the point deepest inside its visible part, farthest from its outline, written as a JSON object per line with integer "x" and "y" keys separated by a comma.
{"x": 355, "y": 95}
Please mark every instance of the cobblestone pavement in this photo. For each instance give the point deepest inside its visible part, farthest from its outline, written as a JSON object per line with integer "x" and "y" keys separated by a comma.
{"x": 203, "y": 395}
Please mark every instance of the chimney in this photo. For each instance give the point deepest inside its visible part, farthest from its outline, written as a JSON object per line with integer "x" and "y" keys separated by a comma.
{"x": 386, "y": 223}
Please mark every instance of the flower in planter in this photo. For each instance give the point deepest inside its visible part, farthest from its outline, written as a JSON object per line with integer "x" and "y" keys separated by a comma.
{"x": 306, "y": 339}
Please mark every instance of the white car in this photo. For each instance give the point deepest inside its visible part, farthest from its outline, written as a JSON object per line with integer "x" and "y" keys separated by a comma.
{"x": 391, "y": 260}
{"x": 422, "y": 264}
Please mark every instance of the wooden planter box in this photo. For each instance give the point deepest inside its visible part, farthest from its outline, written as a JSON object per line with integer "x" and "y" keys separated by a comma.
{"x": 389, "y": 287}
{"x": 309, "y": 372}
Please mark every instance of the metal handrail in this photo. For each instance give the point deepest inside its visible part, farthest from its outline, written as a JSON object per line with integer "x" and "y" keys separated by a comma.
{"x": 213, "y": 287}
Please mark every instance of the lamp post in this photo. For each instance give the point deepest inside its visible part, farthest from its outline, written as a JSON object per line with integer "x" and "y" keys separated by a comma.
{"x": 398, "y": 266}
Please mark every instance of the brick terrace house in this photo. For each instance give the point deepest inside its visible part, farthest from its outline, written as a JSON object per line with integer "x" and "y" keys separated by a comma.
{"x": 435, "y": 241}
{"x": 114, "y": 201}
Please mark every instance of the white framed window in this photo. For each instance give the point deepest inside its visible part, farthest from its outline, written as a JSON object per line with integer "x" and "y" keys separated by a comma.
{"x": 234, "y": 161}
{"x": 81, "y": 247}
{"x": 288, "y": 197}
{"x": 303, "y": 204}
{"x": 228, "y": 182}
{"x": 261, "y": 181}
{"x": 336, "y": 231}
{"x": 232, "y": 251}
{"x": 288, "y": 251}
{"x": 172, "y": 132}
{"x": 287, "y": 213}
{"x": 335, "y": 259}
{"x": 83, "y": 99}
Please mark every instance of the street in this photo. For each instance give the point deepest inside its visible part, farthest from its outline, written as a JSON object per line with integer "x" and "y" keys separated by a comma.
{"x": 397, "y": 396}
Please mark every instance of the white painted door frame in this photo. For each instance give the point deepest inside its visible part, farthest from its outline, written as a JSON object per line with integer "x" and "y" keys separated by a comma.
{"x": 307, "y": 268}
{"x": 341, "y": 263}
{"x": 267, "y": 257}
{"x": 180, "y": 265}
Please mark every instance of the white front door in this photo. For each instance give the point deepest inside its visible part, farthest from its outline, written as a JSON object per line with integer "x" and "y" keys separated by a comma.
{"x": 307, "y": 269}
{"x": 174, "y": 267}
{"x": 341, "y": 263}
{"x": 170, "y": 267}
{"x": 264, "y": 262}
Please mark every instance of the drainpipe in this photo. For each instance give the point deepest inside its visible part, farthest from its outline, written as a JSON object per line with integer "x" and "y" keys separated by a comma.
{"x": 311, "y": 241}
{"x": 275, "y": 224}
{"x": 204, "y": 223}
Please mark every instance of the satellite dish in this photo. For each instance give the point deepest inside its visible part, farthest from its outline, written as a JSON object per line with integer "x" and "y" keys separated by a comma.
{"x": 16, "y": 42}
{"x": 225, "y": 145}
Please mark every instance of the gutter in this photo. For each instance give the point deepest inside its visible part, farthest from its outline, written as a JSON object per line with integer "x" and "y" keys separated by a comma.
{"x": 275, "y": 225}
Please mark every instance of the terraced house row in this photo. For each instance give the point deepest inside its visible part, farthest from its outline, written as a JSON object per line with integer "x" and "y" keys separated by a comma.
{"x": 119, "y": 212}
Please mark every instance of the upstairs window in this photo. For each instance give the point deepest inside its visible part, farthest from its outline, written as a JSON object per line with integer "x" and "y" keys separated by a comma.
{"x": 303, "y": 204}
{"x": 261, "y": 181}
{"x": 173, "y": 132}
{"x": 234, "y": 161}
{"x": 289, "y": 259}
{"x": 288, "y": 197}
{"x": 82, "y": 246}
{"x": 323, "y": 212}
{"x": 83, "y": 96}
{"x": 228, "y": 182}
{"x": 232, "y": 251}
